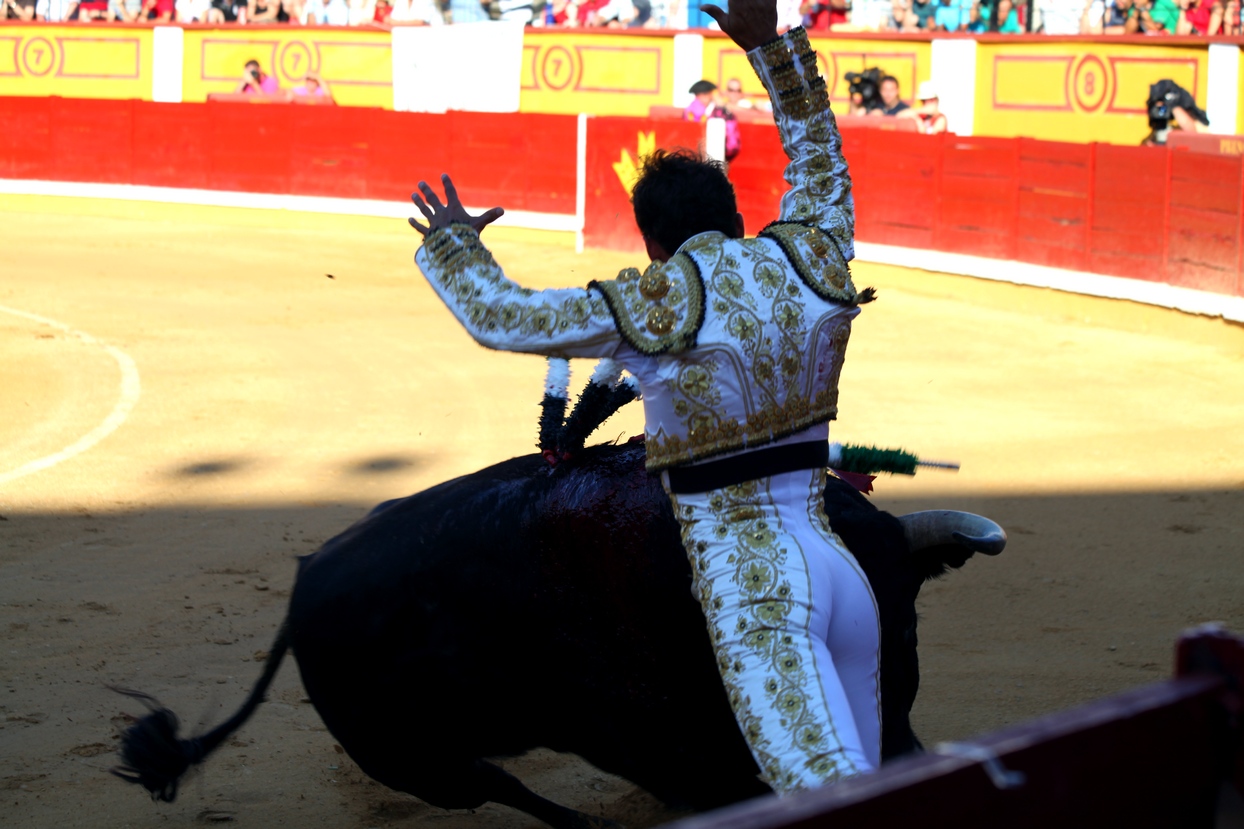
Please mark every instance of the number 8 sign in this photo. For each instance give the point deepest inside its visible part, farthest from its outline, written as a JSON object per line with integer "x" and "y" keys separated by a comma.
{"x": 1089, "y": 83}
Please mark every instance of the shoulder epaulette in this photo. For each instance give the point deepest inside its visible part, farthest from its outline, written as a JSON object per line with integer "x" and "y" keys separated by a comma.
{"x": 818, "y": 259}
{"x": 659, "y": 311}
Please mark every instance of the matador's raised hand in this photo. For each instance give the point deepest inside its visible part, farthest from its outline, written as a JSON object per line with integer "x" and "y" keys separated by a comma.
{"x": 750, "y": 23}
{"x": 451, "y": 212}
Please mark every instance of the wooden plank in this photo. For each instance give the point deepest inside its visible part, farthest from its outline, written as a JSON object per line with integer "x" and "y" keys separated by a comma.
{"x": 1145, "y": 758}
{"x": 1151, "y": 757}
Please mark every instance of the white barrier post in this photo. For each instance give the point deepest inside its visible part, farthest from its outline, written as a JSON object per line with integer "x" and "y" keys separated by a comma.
{"x": 715, "y": 139}
{"x": 688, "y": 67}
{"x": 580, "y": 181}
{"x": 1222, "y": 98}
{"x": 167, "y": 59}
{"x": 954, "y": 74}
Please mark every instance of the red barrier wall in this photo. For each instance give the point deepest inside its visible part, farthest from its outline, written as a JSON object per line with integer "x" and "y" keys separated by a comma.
{"x": 613, "y": 149}
{"x": 1167, "y": 215}
{"x": 524, "y": 162}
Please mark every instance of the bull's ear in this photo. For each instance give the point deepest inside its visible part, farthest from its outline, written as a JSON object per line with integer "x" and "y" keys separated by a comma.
{"x": 939, "y": 540}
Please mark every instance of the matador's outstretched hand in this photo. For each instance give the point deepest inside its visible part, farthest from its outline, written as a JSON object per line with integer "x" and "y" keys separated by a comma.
{"x": 750, "y": 23}
{"x": 451, "y": 212}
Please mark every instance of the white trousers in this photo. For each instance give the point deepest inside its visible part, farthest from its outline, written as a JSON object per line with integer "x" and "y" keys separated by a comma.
{"x": 794, "y": 623}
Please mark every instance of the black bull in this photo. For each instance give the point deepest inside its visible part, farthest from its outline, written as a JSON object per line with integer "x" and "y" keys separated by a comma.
{"x": 524, "y": 606}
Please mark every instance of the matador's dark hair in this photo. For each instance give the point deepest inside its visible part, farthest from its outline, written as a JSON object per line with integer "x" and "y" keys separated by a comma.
{"x": 680, "y": 194}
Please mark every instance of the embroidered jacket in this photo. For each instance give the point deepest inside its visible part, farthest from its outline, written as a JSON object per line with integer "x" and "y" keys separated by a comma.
{"x": 735, "y": 342}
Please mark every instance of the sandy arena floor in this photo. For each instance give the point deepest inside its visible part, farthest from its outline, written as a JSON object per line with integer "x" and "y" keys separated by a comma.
{"x": 278, "y": 404}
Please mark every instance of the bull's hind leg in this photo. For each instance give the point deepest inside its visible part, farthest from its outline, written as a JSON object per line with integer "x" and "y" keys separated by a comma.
{"x": 503, "y": 787}
{"x": 471, "y": 783}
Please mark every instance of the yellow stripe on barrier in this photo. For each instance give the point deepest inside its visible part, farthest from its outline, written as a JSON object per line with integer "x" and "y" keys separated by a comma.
{"x": 76, "y": 61}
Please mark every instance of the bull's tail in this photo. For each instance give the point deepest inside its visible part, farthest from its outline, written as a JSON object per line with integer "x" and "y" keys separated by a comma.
{"x": 153, "y": 756}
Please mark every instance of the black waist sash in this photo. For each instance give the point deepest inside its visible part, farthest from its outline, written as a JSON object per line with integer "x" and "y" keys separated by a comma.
{"x": 762, "y": 463}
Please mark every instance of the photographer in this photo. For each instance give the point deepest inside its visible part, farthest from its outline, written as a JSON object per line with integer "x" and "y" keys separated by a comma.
{"x": 1172, "y": 107}
{"x": 254, "y": 81}
{"x": 865, "y": 90}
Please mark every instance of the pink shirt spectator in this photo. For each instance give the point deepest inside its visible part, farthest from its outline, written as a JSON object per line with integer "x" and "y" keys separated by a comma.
{"x": 268, "y": 85}
{"x": 698, "y": 110}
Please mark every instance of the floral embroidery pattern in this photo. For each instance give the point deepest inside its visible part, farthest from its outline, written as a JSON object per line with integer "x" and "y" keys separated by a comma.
{"x": 817, "y": 257}
{"x": 760, "y": 335}
{"x": 465, "y": 269}
{"x": 766, "y": 627}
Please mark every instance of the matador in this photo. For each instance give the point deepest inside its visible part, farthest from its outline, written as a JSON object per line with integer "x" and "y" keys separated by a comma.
{"x": 737, "y": 345}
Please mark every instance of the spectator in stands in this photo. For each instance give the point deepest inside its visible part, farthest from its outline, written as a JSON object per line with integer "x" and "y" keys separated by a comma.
{"x": 1157, "y": 17}
{"x": 823, "y": 15}
{"x": 1004, "y": 18}
{"x": 158, "y": 11}
{"x": 790, "y": 15}
{"x": 226, "y": 11}
{"x": 1091, "y": 19}
{"x": 614, "y": 14}
{"x": 264, "y": 11}
{"x": 891, "y": 104}
{"x": 19, "y": 9}
{"x": 901, "y": 18}
{"x": 1120, "y": 18}
{"x": 929, "y": 119}
{"x": 313, "y": 86}
{"x": 1202, "y": 17}
{"x": 325, "y": 13}
{"x": 55, "y": 11}
{"x": 643, "y": 13}
{"x": 950, "y": 16}
{"x": 704, "y": 106}
{"x": 924, "y": 12}
{"x": 417, "y": 11}
{"x": 704, "y": 102}
{"x": 193, "y": 11}
{"x": 124, "y": 11}
{"x": 469, "y": 11}
{"x": 519, "y": 11}
{"x": 1059, "y": 17}
{"x": 254, "y": 81}
{"x": 734, "y": 95}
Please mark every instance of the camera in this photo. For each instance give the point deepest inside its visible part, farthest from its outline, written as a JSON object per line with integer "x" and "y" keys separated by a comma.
{"x": 1164, "y": 96}
{"x": 1160, "y": 111}
{"x": 867, "y": 85}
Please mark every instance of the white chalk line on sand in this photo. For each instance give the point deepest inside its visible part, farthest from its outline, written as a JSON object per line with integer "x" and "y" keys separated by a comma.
{"x": 131, "y": 388}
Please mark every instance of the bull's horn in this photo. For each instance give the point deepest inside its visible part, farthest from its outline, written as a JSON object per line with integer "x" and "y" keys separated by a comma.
{"x": 936, "y": 527}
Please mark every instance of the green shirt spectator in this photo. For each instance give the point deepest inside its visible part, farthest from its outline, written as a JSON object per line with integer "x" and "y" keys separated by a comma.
{"x": 1158, "y": 15}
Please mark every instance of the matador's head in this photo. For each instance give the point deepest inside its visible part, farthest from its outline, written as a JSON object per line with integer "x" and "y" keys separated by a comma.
{"x": 680, "y": 194}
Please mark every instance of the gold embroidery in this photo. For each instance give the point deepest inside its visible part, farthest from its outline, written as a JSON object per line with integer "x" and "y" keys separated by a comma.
{"x": 661, "y": 321}
{"x": 654, "y": 284}
{"x": 817, "y": 259}
{"x": 713, "y": 435}
{"x": 820, "y": 131}
{"x": 766, "y": 623}
{"x": 668, "y": 323}
{"x": 464, "y": 268}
